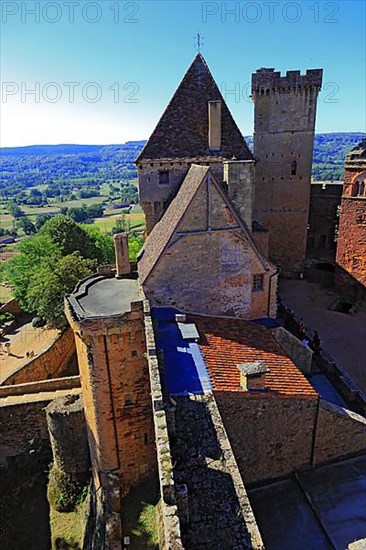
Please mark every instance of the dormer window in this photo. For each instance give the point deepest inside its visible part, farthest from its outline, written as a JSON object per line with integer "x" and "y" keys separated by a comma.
{"x": 164, "y": 177}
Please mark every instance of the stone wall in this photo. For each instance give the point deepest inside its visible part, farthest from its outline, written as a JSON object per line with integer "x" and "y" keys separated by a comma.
{"x": 168, "y": 521}
{"x": 116, "y": 394}
{"x": 57, "y": 360}
{"x": 23, "y": 421}
{"x": 52, "y": 385}
{"x": 323, "y": 220}
{"x": 210, "y": 262}
{"x": 270, "y": 436}
{"x": 339, "y": 433}
{"x": 11, "y": 307}
{"x": 351, "y": 247}
{"x": 300, "y": 354}
{"x": 20, "y": 423}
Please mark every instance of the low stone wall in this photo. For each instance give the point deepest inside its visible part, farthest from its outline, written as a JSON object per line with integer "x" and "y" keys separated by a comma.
{"x": 52, "y": 385}
{"x": 339, "y": 433}
{"x": 23, "y": 421}
{"x": 11, "y": 307}
{"x": 168, "y": 521}
{"x": 54, "y": 362}
{"x": 353, "y": 396}
{"x": 300, "y": 354}
{"x": 20, "y": 423}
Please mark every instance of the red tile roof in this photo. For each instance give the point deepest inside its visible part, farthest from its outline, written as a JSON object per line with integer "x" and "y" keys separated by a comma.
{"x": 227, "y": 342}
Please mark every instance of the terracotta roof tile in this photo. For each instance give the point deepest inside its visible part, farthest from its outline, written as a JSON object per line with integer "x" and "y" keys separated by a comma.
{"x": 227, "y": 342}
{"x": 182, "y": 130}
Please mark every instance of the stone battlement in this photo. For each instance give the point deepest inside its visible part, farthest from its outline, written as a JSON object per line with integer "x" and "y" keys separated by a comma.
{"x": 265, "y": 81}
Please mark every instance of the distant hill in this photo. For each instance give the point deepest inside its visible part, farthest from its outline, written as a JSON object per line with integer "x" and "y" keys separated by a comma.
{"x": 23, "y": 167}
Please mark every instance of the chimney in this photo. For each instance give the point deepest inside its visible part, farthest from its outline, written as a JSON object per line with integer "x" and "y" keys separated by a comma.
{"x": 239, "y": 177}
{"x": 121, "y": 251}
{"x": 214, "y": 125}
{"x": 252, "y": 376}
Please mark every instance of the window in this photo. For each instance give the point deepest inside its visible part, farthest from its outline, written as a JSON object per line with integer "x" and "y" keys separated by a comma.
{"x": 257, "y": 282}
{"x": 293, "y": 168}
{"x": 164, "y": 177}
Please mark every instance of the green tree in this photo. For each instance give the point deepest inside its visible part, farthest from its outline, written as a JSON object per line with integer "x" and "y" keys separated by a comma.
{"x": 69, "y": 237}
{"x": 26, "y": 225}
{"x": 41, "y": 220}
{"x": 135, "y": 243}
{"x": 20, "y": 269}
{"x": 15, "y": 210}
{"x": 102, "y": 242}
{"x": 52, "y": 282}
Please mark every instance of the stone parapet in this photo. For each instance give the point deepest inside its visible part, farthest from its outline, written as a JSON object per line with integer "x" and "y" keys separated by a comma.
{"x": 266, "y": 81}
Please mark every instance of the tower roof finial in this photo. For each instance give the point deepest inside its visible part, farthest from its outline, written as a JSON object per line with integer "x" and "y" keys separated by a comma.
{"x": 198, "y": 41}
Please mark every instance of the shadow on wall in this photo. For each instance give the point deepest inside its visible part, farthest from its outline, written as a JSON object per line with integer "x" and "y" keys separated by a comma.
{"x": 24, "y": 508}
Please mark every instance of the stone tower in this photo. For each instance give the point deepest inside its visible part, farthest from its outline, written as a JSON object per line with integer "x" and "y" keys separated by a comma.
{"x": 284, "y": 124}
{"x": 107, "y": 317}
{"x": 351, "y": 246}
{"x": 196, "y": 128}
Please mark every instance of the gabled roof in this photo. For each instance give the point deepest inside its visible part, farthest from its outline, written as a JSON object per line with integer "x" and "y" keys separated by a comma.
{"x": 226, "y": 343}
{"x": 182, "y": 130}
{"x": 163, "y": 231}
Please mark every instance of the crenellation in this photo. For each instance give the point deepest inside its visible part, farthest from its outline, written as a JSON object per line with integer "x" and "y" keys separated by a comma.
{"x": 267, "y": 81}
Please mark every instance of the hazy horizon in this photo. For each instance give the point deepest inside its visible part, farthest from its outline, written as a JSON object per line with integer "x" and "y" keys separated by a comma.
{"x": 104, "y": 71}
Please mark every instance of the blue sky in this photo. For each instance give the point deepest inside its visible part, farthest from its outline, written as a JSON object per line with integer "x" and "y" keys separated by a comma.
{"x": 104, "y": 71}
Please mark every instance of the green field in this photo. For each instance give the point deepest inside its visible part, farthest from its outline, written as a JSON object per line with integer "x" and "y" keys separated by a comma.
{"x": 106, "y": 223}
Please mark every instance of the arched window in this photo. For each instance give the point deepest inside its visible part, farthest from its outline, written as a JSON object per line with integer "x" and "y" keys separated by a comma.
{"x": 293, "y": 168}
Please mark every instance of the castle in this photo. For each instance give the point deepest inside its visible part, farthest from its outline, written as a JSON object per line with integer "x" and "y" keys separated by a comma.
{"x": 194, "y": 325}
{"x": 186, "y": 375}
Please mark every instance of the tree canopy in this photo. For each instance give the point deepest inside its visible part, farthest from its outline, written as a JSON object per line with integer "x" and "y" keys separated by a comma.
{"x": 49, "y": 265}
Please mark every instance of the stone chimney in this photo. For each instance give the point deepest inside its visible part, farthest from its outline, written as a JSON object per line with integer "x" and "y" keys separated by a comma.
{"x": 252, "y": 376}
{"x": 122, "y": 258}
{"x": 239, "y": 177}
{"x": 214, "y": 125}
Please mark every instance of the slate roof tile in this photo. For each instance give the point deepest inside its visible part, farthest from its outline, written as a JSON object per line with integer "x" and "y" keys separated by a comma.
{"x": 182, "y": 131}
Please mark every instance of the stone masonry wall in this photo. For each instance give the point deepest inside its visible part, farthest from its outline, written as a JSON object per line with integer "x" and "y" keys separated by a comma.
{"x": 209, "y": 265}
{"x": 23, "y": 419}
{"x": 284, "y": 122}
{"x": 271, "y": 437}
{"x": 168, "y": 520}
{"x": 52, "y": 385}
{"x": 300, "y": 354}
{"x": 54, "y": 362}
{"x": 323, "y": 220}
{"x": 339, "y": 433}
{"x": 351, "y": 247}
{"x": 116, "y": 395}
{"x": 19, "y": 424}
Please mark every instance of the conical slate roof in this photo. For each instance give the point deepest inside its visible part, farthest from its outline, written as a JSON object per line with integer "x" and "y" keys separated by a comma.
{"x": 182, "y": 130}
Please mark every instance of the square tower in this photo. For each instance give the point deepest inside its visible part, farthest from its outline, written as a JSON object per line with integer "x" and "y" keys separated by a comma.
{"x": 284, "y": 124}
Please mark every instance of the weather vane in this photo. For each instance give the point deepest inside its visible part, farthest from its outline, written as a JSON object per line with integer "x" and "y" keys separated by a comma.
{"x": 198, "y": 42}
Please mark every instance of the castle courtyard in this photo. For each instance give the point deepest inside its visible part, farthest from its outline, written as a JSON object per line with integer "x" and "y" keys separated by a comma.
{"x": 342, "y": 335}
